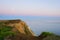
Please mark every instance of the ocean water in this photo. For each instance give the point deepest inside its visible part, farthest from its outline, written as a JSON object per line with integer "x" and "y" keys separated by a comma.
{"x": 39, "y": 24}
{"x": 45, "y": 24}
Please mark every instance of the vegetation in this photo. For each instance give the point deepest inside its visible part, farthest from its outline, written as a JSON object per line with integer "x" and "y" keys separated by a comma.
{"x": 5, "y": 31}
{"x": 10, "y": 33}
{"x": 51, "y": 36}
{"x": 47, "y": 33}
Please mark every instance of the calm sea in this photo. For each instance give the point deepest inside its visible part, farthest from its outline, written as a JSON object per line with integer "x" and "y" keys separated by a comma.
{"x": 39, "y": 24}
{"x": 44, "y": 24}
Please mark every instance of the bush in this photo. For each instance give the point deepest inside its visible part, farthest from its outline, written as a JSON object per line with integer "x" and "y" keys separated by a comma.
{"x": 5, "y": 31}
{"x": 46, "y": 33}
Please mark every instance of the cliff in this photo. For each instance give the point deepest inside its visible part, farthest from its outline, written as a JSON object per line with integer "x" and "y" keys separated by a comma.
{"x": 19, "y": 30}
{"x": 19, "y": 25}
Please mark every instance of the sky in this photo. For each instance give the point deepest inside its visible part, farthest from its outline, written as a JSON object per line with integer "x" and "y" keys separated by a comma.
{"x": 30, "y": 7}
{"x": 40, "y": 15}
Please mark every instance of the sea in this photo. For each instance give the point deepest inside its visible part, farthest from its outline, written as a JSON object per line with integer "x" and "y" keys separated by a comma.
{"x": 44, "y": 24}
{"x": 39, "y": 24}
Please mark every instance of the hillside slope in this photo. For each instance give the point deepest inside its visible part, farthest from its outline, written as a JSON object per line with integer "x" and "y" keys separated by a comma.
{"x": 18, "y": 30}
{"x": 19, "y": 25}
{"x": 49, "y": 36}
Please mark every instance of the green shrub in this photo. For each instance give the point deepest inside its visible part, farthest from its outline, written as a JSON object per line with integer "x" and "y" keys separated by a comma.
{"x": 46, "y": 33}
{"x": 5, "y": 31}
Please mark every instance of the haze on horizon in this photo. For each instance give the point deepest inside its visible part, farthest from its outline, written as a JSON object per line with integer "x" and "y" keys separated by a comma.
{"x": 40, "y": 15}
{"x": 30, "y": 7}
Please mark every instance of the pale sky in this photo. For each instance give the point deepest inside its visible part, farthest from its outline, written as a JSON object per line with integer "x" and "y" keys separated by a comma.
{"x": 30, "y": 7}
{"x": 34, "y": 12}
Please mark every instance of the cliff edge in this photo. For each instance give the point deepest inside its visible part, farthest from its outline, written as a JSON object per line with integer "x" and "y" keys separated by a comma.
{"x": 19, "y": 25}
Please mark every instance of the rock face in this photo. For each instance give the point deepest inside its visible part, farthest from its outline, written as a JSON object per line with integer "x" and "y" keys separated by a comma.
{"x": 19, "y": 25}
{"x": 23, "y": 32}
{"x": 20, "y": 28}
